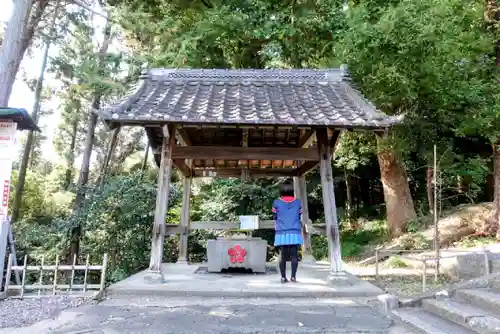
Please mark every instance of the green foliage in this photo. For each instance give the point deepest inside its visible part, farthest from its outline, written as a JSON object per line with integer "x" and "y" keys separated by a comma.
{"x": 429, "y": 60}
{"x": 475, "y": 241}
{"x": 415, "y": 240}
{"x": 227, "y": 199}
{"x": 117, "y": 219}
{"x": 319, "y": 247}
{"x": 466, "y": 177}
{"x": 396, "y": 262}
{"x": 354, "y": 149}
{"x": 426, "y": 59}
{"x": 371, "y": 232}
{"x": 234, "y": 34}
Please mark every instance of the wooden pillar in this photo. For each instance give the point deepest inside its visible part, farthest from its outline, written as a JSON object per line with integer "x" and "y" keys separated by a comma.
{"x": 332, "y": 227}
{"x": 300, "y": 189}
{"x": 185, "y": 221}
{"x": 155, "y": 274}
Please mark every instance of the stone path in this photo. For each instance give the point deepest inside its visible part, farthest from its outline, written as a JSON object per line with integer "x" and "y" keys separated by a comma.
{"x": 219, "y": 315}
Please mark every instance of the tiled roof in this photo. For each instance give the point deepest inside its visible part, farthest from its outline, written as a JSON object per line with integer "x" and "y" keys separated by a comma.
{"x": 271, "y": 97}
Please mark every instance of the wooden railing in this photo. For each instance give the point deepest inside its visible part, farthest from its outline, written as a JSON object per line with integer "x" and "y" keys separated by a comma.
{"x": 172, "y": 229}
{"x": 39, "y": 287}
{"x": 427, "y": 260}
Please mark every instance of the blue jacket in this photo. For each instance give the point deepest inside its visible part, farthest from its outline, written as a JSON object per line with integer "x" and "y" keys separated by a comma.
{"x": 287, "y": 216}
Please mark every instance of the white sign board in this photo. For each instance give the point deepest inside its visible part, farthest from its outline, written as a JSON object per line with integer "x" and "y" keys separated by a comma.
{"x": 7, "y": 141}
{"x": 249, "y": 223}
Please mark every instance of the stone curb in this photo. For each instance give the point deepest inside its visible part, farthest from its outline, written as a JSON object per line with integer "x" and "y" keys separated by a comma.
{"x": 483, "y": 282}
{"x": 239, "y": 294}
{"x": 471, "y": 317}
{"x": 484, "y": 299}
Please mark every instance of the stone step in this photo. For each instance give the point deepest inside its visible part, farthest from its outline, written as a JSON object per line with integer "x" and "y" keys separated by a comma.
{"x": 421, "y": 321}
{"x": 475, "y": 318}
{"x": 483, "y": 298}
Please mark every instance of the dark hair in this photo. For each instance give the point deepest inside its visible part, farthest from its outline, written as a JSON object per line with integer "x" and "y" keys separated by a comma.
{"x": 286, "y": 189}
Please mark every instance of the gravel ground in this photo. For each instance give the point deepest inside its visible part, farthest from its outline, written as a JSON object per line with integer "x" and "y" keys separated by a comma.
{"x": 21, "y": 313}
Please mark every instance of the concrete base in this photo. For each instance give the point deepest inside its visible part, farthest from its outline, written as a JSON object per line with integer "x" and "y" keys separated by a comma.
{"x": 153, "y": 277}
{"x": 181, "y": 280}
{"x": 255, "y": 254}
{"x": 308, "y": 259}
{"x": 182, "y": 262}
{"x": 389, "y": 302}
{"x": 340, "y": 278}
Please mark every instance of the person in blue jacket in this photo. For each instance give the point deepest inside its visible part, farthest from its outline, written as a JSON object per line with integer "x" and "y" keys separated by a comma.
{"x": 288, "y": 227}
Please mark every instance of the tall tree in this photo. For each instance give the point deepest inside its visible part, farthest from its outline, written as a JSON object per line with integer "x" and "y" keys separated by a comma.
{"x": 89, "y": 140}
{"x": 422, "y": 59}
{"x": 71, "y": 131}
{"x": 36, "y": 109}
{"x": 233, "y": 33}
{"x": 13, "y": 48}
{"x": 485, "y": 120}
{"x": 91, "y": 71}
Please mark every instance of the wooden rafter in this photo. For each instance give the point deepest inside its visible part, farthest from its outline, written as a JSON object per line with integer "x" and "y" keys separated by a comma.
{"x": 181, "y": 165}
{"x": 236, "y": 172}
{"x": 183, "y": 137}
{"x": 245, "y": 153}
{"x": 306, "y": 167}
{"x": 306, "y": 139}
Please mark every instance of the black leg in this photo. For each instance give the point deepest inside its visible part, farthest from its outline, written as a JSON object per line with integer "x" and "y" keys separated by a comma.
{"x": 283, "y": 255}
{"x": 294, "y": 253}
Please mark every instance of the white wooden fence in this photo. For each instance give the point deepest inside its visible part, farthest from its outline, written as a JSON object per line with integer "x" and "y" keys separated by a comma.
{"x": 53, "y": 273}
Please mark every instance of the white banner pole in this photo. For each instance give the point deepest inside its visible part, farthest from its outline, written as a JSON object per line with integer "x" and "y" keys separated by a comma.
{"x": 7, "y": 142}
{"x": 7, "y": 153}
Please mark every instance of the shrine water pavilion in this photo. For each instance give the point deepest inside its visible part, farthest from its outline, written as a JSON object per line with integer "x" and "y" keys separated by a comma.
{"x": 243, "y": 123}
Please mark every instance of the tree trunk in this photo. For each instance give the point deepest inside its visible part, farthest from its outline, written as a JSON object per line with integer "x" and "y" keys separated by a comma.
{"x": 145, "y": 161}
{"x": 430, "y": 189}
{"x": 492, "y": 18}
{"x": 496, "y": 196}
{"x": 36, "y": 109}
{"x": 349, "y": 208}
{"x": 84, "y": 177}
{"x": 12, "y": 51}
{"x": 397, "y": 196}
{"x": 68, "y": 175}
{"x": 74, "y": 248}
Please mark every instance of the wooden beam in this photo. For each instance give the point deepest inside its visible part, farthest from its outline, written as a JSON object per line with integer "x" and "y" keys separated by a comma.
{"x": 173, "y": 229}
{"x": 181, "y": 165}
{"x": 161, "y": 210}
{"x": 236, "y": 172}
{"x": 244, "y": 143}
{"x": 183, "y": 137}
{"x": 306, "y": 167}
{"x": 227, "y": 225}
{"x": 332, "y": 227}
{"x": 245, "y": 153}
{"x": 300, "y": 190}
{"x": 166, "y": 131}
{"x": 306, "y": 139}
{"x": 334, "y": 140}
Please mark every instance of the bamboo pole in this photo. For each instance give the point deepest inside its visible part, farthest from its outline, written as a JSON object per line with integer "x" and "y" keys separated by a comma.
{"x": 9, "y": 273}
{"x": 86, "y": 273}
{"x": 54, "y": 288}
{"x": 40, "y": 280}
{"x": 23, "y": 283}
{"x": 436, "y": 225}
